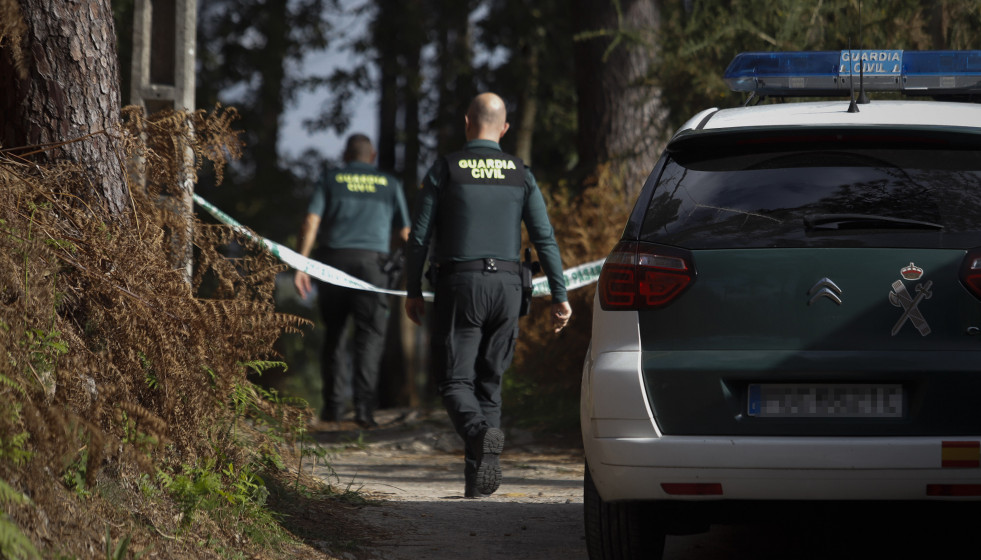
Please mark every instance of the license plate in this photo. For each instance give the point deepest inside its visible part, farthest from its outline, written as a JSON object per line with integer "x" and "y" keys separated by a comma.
{"x": 808, "y": 400}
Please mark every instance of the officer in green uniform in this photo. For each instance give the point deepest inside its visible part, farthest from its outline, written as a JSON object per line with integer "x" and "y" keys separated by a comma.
{"x": 472, "y": 205}
{"x": 359, "y": 207}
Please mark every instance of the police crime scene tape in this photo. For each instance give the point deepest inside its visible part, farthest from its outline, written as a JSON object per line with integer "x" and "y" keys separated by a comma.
{"x": 575, "y": 277}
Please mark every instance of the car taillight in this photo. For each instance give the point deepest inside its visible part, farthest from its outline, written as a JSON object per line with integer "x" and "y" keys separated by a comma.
{"x": 971, "y": 272}
{"x": 639, "y": 276}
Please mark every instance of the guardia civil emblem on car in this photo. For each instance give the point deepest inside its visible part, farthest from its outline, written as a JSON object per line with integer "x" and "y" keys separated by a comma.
{"x": 900, "y": 297}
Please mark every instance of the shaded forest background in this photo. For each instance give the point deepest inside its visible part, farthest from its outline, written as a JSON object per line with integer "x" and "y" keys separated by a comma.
{"x": 593, "y": 88}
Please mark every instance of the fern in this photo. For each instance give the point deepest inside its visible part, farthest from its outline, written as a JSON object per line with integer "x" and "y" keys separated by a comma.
{"x": 260, "y": 366}
{"x": 13, "y": 444}
{"x": 12, "y": 383}
{"x": 9, "y": 495}
{"x": 13, "y": 542}
{"x": 109, "y": 357}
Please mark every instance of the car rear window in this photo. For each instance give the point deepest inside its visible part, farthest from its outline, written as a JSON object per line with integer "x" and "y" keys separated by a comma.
{"x": 821, "y": 195}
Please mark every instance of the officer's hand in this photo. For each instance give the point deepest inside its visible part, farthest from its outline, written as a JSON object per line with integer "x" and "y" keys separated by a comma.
{"x": 302, "y": 282}
{"x": 415, "y": 308}
{"x": 561, "y": 313}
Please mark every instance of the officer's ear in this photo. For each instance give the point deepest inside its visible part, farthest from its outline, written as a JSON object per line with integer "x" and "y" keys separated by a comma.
{"x": 507, "y": 125}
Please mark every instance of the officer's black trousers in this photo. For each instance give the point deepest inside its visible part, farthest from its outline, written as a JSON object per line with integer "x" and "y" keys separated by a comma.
{"x": 370, "y": 311}
{"x": 474, "y": 332}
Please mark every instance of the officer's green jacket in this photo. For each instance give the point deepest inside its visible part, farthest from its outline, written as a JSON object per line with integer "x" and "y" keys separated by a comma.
{"x": 463, "y": 207}
{"x": 358, "y": 205}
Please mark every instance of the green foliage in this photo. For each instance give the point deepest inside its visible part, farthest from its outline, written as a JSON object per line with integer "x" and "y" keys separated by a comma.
{"x": 44, "y": 348}
{"x": 245, "y": 487}
{"x": 61, "y": 245}
{"x": 147, "y": 487}
{"x": 143, "y": 442}
{"x": 13, "y": 451}
{"x": 13, "y": 443}
{"x": 13, "y": 448}
{"x": 8, "y": 495}
{"x": 268, "y": 408}
{"x": 535, "y": 74}
{"x": 119, "y": 551}
{"x": 11, "y": 383}
{"x": 259, "y": 366}
{"x": 76, "y": 473}
{"x": 212, "y": 375}
{"x": 13, "y": 543}
{"x": 696, "y": 45}
{"x": 194, "y": 489}
{"x": 227, "y": 493}
{"x": 149, "y": 373}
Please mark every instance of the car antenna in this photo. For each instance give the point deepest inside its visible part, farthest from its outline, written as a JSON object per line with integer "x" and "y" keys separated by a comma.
{"x": 863, "y": 98}
{"x": 852, "y": 106}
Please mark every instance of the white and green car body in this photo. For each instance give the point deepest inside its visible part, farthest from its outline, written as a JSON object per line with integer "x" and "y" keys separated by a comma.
{"x": 793, "y": 313}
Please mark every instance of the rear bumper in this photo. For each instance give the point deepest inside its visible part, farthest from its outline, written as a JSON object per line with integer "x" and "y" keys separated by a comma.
{"x": 776, "y": 468}
{"x": 631, "y": 460}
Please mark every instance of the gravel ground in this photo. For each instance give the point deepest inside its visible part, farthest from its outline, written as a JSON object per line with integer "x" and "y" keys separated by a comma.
{"x": 412, "y": 469}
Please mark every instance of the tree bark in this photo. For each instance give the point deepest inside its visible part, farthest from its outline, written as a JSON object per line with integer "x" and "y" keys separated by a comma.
{"x": 455, "y": 81}
{"x": 68, "y": 98}
{"x": 385, "y": 29}
{"x": 271, "y": 95}
{"x": 399, "y": 33}
{"x": 528, "y": 105}
{"x": 936, "y": 23}
{"x": 621, "y": 118}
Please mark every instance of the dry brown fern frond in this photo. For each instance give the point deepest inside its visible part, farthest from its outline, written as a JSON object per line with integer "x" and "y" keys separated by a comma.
{"x": 105, "y": 347}
{"x": 172, "y": 146}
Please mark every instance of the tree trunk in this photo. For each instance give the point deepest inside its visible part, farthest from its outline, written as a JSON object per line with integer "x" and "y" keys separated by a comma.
{"x": 455, "y": 81}
{"x": 528, "y": 105}
{"x": 936, "y": 23}
{"x": 621, "y": 118}
{"x": 399, "y": 33}
{"x": 385, "y": 29}
{"x": 69, "y": 90}
{"x": 271, "y": 96}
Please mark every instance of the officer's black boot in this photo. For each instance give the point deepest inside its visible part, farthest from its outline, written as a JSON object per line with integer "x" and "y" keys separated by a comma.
{"x": 470, "y": 490}
{"x": 488, "y": 448}
{"x": 364, "y": 418}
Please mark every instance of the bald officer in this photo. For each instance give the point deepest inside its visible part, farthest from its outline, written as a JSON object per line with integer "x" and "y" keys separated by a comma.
{"x": 359, "y": 207}
{"x": 472, "y": 205}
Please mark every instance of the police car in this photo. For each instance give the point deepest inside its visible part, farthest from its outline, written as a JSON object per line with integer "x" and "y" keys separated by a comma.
{"x": 793, "y": 312}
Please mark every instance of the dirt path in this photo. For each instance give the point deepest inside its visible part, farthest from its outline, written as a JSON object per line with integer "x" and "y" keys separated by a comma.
{"x": 412, "y": 470}
{"x": 413, "y": 466}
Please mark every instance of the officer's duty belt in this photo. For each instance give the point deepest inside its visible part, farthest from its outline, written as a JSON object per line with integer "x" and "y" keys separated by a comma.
{"x": 479, "y": 265}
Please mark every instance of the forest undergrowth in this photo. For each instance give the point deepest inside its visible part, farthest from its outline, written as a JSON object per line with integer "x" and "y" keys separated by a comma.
{"x": 128, "y": 425}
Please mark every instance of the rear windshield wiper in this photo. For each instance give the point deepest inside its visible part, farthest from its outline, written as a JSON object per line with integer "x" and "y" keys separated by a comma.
{"x": 864, "y": 221}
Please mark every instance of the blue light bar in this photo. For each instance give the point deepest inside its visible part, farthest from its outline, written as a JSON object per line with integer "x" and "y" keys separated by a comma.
{"x": 834, "y": 73}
